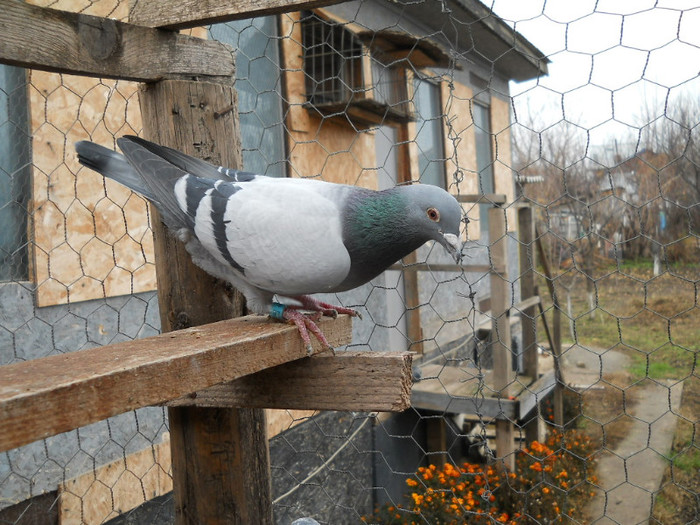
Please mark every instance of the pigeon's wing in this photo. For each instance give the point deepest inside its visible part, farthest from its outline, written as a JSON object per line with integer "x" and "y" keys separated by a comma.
{"x": 283, "y": 235}
{"x": 188, "y": 164}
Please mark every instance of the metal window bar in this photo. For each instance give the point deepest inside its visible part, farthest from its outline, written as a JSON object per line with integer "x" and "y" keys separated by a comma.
{"x": 332, "y": 61}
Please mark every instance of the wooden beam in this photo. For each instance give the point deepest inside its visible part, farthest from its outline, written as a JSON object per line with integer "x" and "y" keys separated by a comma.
{"x": 528, "y": 319}
{"x": 47, "y": 396}
{"x": 503, "y": 374}
{"x": 182, "y": 14}
{"x": 556, "y": 331}
{"x": 349, "y": 381}
{"x": 534, "y": 394}
{"x": 64, "y": 42}
{"x": 461, "y": 390}
{"x": 485, "y": 407}
{"x": 220, "y": 456}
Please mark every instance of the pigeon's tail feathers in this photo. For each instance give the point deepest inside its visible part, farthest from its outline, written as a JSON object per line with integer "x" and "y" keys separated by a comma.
{"x": 112, "y": 165}
{"x": 159, "y": 176}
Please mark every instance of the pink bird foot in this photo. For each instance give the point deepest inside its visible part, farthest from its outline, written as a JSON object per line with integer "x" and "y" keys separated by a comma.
{"x": 329, "y": 310}
{"x": 306, "y": 323}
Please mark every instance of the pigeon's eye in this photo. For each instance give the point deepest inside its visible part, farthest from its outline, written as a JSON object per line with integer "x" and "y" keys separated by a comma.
{"x": 433, "y": 214}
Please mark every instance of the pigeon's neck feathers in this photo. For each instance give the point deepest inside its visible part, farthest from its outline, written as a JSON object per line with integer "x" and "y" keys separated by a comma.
{"x": 377, "y": 232}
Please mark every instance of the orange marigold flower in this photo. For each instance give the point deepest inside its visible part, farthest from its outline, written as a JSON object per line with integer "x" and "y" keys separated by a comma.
{"x": 545, "y": 490}
{"x": 411, "y": 482}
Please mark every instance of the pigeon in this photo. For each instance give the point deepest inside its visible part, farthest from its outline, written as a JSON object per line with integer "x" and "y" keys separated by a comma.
{"x": 281, "y": 239}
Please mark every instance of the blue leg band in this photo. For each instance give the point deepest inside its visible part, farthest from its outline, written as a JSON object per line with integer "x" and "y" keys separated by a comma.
{"x": 276, "y": 311}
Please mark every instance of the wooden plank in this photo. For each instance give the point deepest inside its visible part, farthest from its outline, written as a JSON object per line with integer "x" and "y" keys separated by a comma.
{"x": 54, "y": 394}
{"x": 63, "y": 42}
{"x": 411, "y": 290}
{"x": 220, "y": 456}
{"x": 526, "y": 233}
{"x": 484, "y": 407}
{"x": 349, "y": 381}
{"x": 534, "y": 394}
{"x": 436, "y": 439}
{"x": 556, "y": 332}
{"x": 528, "y": 319}
{"x": 181, "y": 14}
{"x": 503, "y": 375}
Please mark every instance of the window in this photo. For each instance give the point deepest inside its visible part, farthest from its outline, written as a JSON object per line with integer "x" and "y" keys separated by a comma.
{"x": 484, "y": 156}
{"x": 429, "y": 132}
{"x": 389, "y": 83}
{"x": 345, "y": 76}
{"x": 332, "y": 61}
{"x": 258, "y": 86}
{"x": 15, "y": 168}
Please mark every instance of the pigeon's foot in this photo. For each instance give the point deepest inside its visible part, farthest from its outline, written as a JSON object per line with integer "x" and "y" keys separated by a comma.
{"x": 306, "y": 323}
{"x": 329, "y": 310}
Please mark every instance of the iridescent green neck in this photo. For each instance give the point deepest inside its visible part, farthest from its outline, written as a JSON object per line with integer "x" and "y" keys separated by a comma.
{"x": 376, "y": 233}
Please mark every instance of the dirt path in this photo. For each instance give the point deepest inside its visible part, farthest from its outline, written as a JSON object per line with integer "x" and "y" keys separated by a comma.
{"x": 630, "y": 473}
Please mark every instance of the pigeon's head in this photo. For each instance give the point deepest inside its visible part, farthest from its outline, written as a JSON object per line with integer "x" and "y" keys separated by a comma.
{"x": 436, "y": 215}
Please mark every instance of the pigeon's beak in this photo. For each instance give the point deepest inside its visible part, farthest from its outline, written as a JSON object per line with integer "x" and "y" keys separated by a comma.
{"x": 453, "y": 245}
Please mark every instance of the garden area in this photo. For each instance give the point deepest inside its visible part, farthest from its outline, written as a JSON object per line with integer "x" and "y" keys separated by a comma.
{"x": 652, "y": 322}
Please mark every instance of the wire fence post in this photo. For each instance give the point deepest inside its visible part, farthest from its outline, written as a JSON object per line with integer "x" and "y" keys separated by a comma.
{"x": 221, "y": 463}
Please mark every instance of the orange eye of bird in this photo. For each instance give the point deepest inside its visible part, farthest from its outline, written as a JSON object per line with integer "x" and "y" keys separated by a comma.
{"x": 433, "y": 214}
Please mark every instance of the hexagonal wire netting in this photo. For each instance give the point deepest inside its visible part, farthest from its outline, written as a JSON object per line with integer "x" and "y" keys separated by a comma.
{"x": 576, "y": 122}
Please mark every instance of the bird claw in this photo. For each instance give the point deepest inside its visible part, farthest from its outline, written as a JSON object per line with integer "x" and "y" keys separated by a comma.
{"x": 306, "y": 323}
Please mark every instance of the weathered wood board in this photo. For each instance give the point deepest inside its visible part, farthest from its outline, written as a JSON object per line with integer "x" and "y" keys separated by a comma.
{"x": 58, "y": 393}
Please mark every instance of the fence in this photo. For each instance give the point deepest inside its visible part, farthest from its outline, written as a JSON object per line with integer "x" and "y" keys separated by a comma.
{"x": 553, "y": 374}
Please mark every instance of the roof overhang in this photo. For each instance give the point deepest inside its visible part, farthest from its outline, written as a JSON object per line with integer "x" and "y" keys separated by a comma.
{"x": 477, "y": 33}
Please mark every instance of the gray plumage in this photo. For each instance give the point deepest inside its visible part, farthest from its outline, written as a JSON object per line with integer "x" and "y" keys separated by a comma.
{"x": 279, "y": 236}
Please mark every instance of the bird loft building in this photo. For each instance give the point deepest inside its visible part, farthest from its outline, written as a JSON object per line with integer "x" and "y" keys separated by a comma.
{"x": 369, "y": 93}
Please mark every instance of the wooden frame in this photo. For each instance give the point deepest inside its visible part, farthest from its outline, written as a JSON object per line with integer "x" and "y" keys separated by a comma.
{"x": 64, "y": 42}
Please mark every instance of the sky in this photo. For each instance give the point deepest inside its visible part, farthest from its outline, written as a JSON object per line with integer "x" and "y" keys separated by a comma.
{"x": 609, "y": 59}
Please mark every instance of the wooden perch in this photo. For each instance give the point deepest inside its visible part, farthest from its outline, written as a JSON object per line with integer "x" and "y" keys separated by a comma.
{"x": 349, "y": 381}
{"x": 182, "y": 14}
{"x": 64, "y": 42}
{"x": 55, "y": 394}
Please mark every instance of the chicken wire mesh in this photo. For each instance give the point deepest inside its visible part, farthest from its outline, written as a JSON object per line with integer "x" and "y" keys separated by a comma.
{"x": 598, "y": 161}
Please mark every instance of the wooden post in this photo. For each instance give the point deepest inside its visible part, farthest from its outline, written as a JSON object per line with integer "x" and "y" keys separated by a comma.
{"x": 410, "y": 279}
{"x": 528, "y": 320}
{"x": 221, "y": 465}
{"x": 556, "y": 335}
{"x": 503, "y": 376}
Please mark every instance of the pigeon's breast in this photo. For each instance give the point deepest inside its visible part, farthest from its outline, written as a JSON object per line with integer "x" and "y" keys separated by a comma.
{"x": 287, "y": 237}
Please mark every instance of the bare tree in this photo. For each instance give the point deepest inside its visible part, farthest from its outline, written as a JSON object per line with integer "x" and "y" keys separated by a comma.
{"x": 572, "y": 208}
